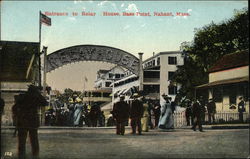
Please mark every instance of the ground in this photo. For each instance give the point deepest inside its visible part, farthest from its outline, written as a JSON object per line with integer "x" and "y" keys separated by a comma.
{"x": 70, "y": 143}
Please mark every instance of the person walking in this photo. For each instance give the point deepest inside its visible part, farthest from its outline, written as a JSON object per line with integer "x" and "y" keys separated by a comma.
{"x": 211, "y": 109}
{"x": 150, "y": 114}
{"x": 166, "y": 119}
{"x": 27, "y": 120}
{"x": 203, "y": 109}
{"x": 197, "y": 115}
{"x": 157, "y": 113}
{"x": 2, "y": 104}
{"x": 189, "y": 113}
{"x": 121, "y": 114}
{"x": 94, "y": 114}
{"x": 136, "y": 113}
{"x": 145, "y": 116}
{"x": 71, "y": 108}
{"x": 241, "y": 109}
{"x": 78, "y": 111}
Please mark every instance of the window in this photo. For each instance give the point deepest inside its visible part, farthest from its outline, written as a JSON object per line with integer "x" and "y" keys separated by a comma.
{"x": 107, "y": 84}
{"x": 217, "y": 94}
{"x": 153, "y": 62}
{"x": 158, "y": 61}
{"x": 172, "y": 90}
{"x": 110, "y": 75}
{"x": 243, "y": 90}
{"x": 172, "y": 60}
{"x": 170, "y": 75}
{"x": 117, "y": 76}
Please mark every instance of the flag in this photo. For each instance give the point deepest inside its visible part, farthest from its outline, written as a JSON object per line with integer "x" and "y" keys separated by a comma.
{"x": 45, "y": 20}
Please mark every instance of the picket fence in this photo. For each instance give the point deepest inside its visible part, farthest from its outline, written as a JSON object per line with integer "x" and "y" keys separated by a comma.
{"x": 220, "y": 118}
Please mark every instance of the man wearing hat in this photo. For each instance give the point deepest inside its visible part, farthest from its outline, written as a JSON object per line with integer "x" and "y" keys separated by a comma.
{"x": 26, "y": 113}
{"x": 241, "y": 109}
{"x": 197, "y": 111}
{"x": 136, "y": 113}
{"x": 211, "y": 108}
{"x": 121, "y": 114}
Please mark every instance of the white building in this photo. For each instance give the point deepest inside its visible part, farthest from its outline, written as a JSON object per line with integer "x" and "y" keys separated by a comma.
{"x": 105, "y": 77}
{"x": 126, "y": 86}
{"x": 158, "y": 71}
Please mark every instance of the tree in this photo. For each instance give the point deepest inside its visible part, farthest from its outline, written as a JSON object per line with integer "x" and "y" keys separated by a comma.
{"x": 210, "y": 43}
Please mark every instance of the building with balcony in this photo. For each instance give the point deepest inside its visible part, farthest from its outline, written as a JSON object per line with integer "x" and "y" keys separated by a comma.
{"x": 158, "y": 71}
{"x": 105, "y": 77}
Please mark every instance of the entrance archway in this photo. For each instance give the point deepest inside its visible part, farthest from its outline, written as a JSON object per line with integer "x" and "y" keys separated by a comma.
{"x": 92, "y": 53}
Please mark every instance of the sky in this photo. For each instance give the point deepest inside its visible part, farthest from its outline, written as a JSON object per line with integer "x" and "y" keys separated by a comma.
{"x": 134, "y": 34}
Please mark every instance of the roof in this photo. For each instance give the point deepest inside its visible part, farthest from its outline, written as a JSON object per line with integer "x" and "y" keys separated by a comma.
{"x": 16, "y": 59}
{"x": 225, "y": 82}
{"x": 161, "y": 53}
{"x": 232, "y": 60}
{"x": 103, "y": 71}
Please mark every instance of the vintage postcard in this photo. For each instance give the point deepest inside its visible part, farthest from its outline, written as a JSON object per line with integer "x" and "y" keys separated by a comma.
{"x": 124, "y": 79}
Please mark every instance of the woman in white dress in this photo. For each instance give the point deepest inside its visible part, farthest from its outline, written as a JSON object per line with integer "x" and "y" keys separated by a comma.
{"x": 166, "y": 118}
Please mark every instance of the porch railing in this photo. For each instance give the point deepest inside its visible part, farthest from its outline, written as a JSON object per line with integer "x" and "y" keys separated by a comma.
{"x": 220, "y": 118}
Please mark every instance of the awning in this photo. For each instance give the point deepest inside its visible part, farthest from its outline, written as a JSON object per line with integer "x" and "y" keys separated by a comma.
{"x": 224, "y": 82}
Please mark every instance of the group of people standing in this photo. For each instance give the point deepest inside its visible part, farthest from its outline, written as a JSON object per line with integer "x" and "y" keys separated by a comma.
{"x": 139, "y": 113}
{"x": 195, "y": 112}
{"x": 76, "y": 114}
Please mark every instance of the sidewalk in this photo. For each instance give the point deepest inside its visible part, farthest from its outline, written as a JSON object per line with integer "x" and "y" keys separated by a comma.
{"x": 223, "y": 126}
{"x": 215, "y": 126}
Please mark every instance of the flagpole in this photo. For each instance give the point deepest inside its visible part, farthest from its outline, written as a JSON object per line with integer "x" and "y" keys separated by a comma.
{"x": 39, "y": 65}
{"x": 39, "y": 52}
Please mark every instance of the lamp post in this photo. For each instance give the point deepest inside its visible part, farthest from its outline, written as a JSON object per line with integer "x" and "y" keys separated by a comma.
{"x": 113, "y": 88}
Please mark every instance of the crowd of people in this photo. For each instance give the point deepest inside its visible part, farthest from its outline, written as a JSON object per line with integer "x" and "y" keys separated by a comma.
{"x": 144, "y": 114}
{"x": 196, "y": 110}
{"x": 140, "y": 112}
{"x": 76, "y": 113}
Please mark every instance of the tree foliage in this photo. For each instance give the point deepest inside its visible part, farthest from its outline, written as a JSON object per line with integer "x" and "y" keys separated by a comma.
{"x": 210, "y": 43}
{"x": 68, "y": 93}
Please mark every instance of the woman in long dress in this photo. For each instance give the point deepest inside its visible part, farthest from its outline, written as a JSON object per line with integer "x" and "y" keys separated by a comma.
{"x": 166, "y": 118}
{"x": 145, "y": 117}
{"x": 78, "y": 112}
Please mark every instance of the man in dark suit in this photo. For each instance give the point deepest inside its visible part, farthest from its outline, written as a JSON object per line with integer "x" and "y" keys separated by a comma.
{"x": 241, "y": 109}
{"x": 197, "y": 110}
{"x": 211, "y": 108}
{"x": 121, "y": 114}
{"x": 27, "y": 119}
{"x": 136, "y": 112}
{"x": 157, "y": 113}
{"x": 189, "y": 113}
